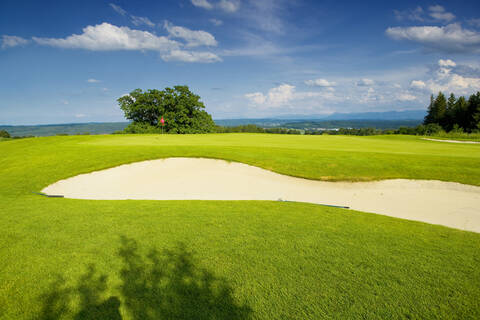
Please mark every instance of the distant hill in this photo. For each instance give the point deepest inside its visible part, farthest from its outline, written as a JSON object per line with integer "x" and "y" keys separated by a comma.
{"x": 379, "y": 120}
{"x": 386, "y": 115}
{"x": 67, "y": 128}
{"x": 356, "y": 124}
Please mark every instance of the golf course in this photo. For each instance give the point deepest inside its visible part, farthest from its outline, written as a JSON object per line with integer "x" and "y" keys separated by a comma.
{"x": 64, "y": 258}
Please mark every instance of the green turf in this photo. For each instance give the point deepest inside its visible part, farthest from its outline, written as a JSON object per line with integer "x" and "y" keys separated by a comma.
{"x": 79, "y": 259}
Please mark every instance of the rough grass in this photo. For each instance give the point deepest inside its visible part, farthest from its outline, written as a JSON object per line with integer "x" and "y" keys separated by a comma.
{"x": 459, "y": 136}
{"x": 79, "y": 259}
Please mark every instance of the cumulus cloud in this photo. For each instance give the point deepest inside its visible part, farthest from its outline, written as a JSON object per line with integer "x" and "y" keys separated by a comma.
{"x": 320, "y": 83}
{"x": 446, "y": 63}
{"x": 417, "y": 84}
{"x": 275, "y": 97}
{"x": 191, "y": 56}
{"x": 202, "y": 4}
{"x": 194, "y": 38}
{"x": 282, "y": 95}
{"x": 12, "y": 41}
{"x": 448, "y": 76}
{"x": 93, "y": 80}
{"x": 256, "y": 97}
{"x": 438, "y": 13}
{"x": 104, "y": 37}
{"x": 365, "y": 82}
{"x": 451, "y": 38}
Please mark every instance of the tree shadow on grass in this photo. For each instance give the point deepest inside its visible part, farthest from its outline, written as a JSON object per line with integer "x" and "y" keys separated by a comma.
{"x": 160, "y": 285}
{"x": 89, "y": 294}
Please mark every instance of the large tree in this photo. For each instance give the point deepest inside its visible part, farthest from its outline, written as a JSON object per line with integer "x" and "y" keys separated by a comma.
{"x": 473, "y": 112}
{"x": 181, "y": 109}
{"x": 4, "y": 134}
{"x": 437, "y": 110}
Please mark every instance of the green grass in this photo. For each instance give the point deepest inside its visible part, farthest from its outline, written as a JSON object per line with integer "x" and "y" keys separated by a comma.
{"x": 458, "y": 136}
{"x": 79, "y": 259}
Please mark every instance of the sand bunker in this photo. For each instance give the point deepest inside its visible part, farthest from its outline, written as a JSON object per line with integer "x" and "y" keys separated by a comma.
{"x": 452, "y": 141}
{"x": 446, "y": 203}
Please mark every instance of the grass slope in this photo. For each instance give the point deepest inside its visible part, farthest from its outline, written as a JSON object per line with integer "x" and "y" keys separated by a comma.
{"x": 76, "y": 259}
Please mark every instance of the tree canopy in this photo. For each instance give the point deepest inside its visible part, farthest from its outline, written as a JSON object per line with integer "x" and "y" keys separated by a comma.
{"x": 454, "y": 114}
{"x": 181, "y": 109}
{"x": 4, "y": 134}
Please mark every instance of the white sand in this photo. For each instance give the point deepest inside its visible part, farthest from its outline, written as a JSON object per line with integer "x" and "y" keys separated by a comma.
{"x": 445, "y": 203}
{"x": 452, "y": 141}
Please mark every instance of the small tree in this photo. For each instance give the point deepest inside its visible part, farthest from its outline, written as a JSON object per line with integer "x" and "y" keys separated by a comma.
{"x": 181, "y": 109}
{"x": 4, "y": 134}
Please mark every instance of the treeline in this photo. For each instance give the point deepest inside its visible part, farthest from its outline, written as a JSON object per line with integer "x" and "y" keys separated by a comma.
{"x": 454, "y": 114}
{"x": 252, "y": 128}
{"x": 423, "y": 130}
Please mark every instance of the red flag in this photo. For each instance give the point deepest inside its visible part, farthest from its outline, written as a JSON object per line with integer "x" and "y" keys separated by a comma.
{"x": 162, "y": 121}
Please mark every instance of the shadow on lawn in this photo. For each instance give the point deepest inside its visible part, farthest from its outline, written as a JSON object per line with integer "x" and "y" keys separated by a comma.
{"x": 161, "y": 285}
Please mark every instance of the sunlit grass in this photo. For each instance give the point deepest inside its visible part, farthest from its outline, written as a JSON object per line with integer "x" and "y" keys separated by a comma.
{"x": 62, "y": 258}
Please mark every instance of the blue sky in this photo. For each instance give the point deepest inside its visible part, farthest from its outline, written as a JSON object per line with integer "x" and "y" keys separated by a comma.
{"x": 68, "y": 61}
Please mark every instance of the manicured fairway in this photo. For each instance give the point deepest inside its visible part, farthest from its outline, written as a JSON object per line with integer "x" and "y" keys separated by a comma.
{"x": 82, "y": 259}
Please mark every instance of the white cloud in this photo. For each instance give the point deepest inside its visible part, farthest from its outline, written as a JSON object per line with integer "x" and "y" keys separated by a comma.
{"x": 191, "y": 56}
{"x": 12, "y": 41}
{"x": 256, "y": 97}
{"x": 405, "y": 96}
{"x": 194, "y": 38}
{"x": 202, "y": 4}
{"x": 93, "y": 80}
{"x": 454, "y": 83}
{"x": 118, "y": 9}
{"x": 452, "y": 77}
{"x": 417, "y": 84}
{"x": 229, "y": 5}
{"x": 474, "y": 22}
{"x": 216, "y": 22}
{"x": 450, "y": 38}
{"x": 225, "y": 5}
{"x": 320, "y": 83}
{"x": 280, "y": 95}
{"x": 283, "y": 95}
{"x": 365, "y": 82}
{"x": 414, "y": 15}
{"x": 80, "y": 115}
{"x": 138, "y": 21}
{"x": 446, "y": 63}
{"x": 105, "y": 37}
{"x": 438, "y": 13}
